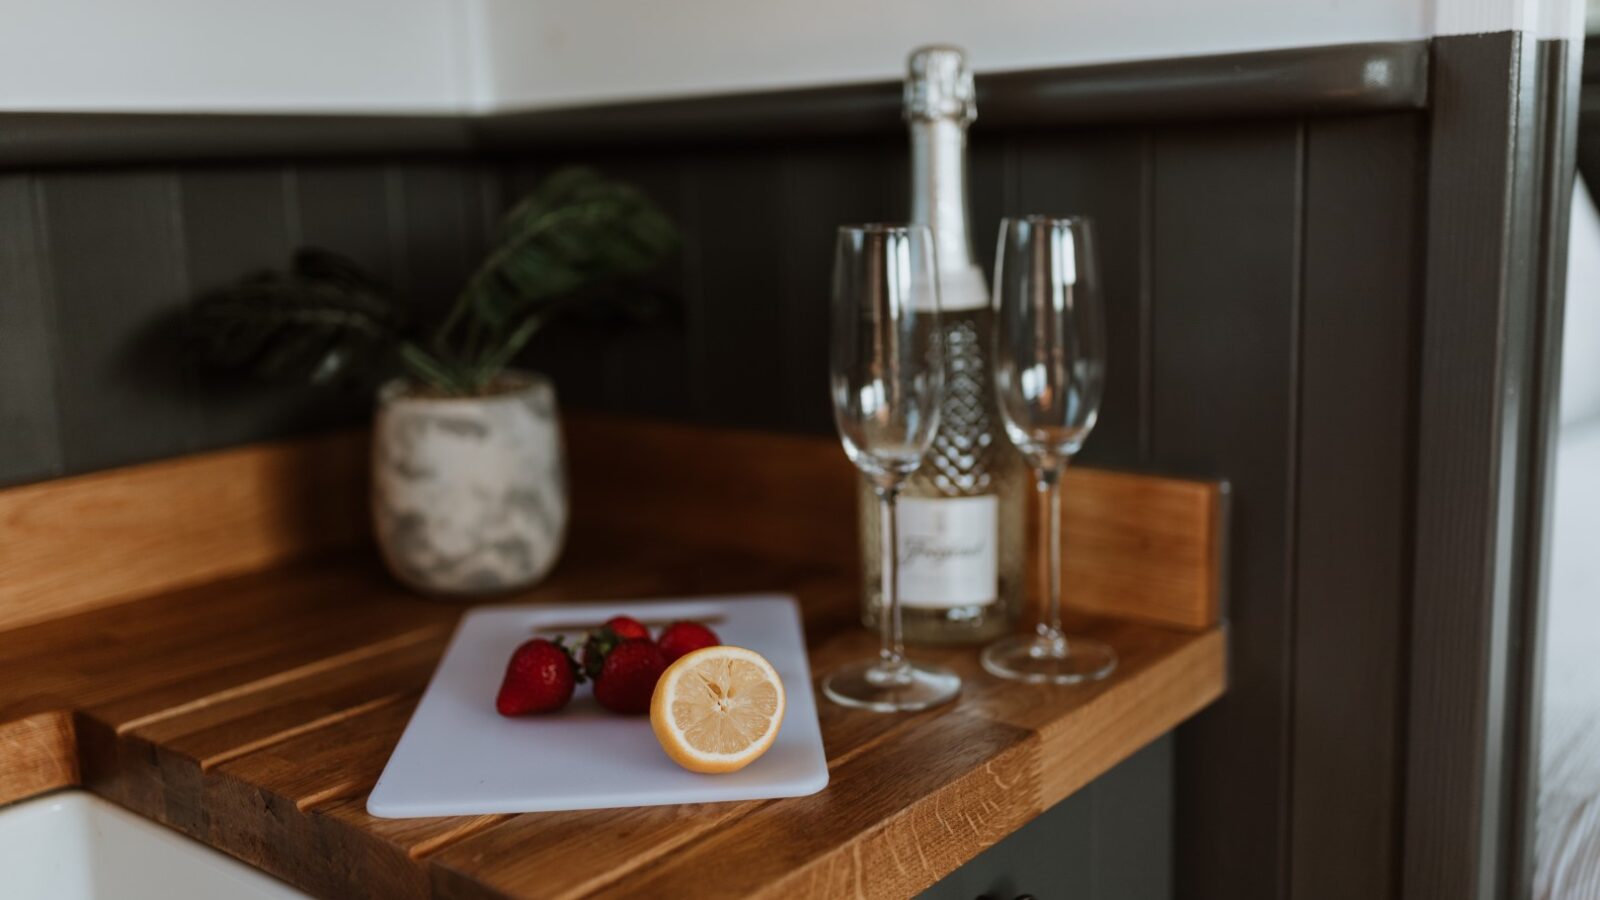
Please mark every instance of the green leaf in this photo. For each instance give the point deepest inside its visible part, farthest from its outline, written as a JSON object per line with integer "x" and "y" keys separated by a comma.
{"x": 325, "y": 320}
{"x": 576, "y": 229}
{"x": 328, "y": 320}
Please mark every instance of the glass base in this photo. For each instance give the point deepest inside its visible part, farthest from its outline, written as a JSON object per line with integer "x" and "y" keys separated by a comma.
{"x": 1039, "y": 660}
{"x": 870, "y": 684}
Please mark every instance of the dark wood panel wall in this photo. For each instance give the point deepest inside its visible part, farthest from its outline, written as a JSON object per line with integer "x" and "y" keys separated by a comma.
{"x": 1265, "y": 274}
{"x": 1263, "y": 286}
{"x": 97, "y": 267}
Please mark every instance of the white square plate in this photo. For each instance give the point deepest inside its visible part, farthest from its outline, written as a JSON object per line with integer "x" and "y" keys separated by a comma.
{"x": 460, "y": 757}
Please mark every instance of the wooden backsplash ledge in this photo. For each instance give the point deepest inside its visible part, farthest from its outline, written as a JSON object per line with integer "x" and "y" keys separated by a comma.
{"x": 1140, "y": 547}
{"x": 77, "y": 543}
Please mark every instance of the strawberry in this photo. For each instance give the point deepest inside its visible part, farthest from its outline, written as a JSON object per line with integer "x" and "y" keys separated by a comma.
{"x": 627, "y": 628}
{"x": 601, "y": 640}
{"x": 680, "y": 638}
{"x": 539, "y": 678}
{"x": 628, "y": 677}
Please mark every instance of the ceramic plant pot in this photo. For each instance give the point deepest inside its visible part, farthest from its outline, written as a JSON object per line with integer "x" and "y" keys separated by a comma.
{"x": 469, "y": 493}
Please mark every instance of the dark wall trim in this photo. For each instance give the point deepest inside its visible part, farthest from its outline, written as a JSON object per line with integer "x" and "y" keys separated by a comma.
{"x": 1499, "y": 184}
{"x": 40, "y": 140}
{"x": 1344, "y": 78}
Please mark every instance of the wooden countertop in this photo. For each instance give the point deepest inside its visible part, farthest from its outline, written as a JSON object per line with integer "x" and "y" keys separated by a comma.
{"x": 255, "y": 711}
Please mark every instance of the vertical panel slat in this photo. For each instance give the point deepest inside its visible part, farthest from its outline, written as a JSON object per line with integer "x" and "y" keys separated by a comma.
{"x": 1479, "y": 422}
{"x": 1147, "y": 253}
{"x": 1223, "y": 344}
{"x": 739, "y": 207}
{"x": 1360, "y": 303}
{"x": 825, "y": 186}
{"x": 396, "y": 228}
{"x": 344, "y": 208}
{"x": 29, "y": 443}
{"x": 524, "y": 174}
{"x": 646, "y": 364}
{"x": 115, "y": 262}
{"x": 1099, "y": 175}
{"x": 573, "y": 355}
{"x": 692, "y": 259}
{"x": 235, "y": 223}
{"x": 991, "y": 192}
{"x": 493, "y": 200}
{"x": 442, "y": 235}
{"x": 1559, "y": 90}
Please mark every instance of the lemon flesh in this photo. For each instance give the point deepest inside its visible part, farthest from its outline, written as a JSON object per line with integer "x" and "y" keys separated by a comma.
{"x": 717, "y": 709}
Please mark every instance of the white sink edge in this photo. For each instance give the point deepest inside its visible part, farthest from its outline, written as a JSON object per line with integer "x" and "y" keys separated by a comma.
{"x": 72, "y": 845}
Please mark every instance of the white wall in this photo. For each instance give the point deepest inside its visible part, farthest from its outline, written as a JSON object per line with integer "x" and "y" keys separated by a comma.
{"x": 558, "y": 52}
{"x": 445, "y": 55}
{"x": 244, "y": 55}
{"x": 553, "y": 52}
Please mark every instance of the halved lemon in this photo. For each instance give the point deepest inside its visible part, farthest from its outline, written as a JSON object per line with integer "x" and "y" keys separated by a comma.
{"x": 717, "y": 709}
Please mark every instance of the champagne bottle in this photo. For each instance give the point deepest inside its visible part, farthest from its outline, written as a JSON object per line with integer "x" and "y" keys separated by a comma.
{"x": 960, "y": 514}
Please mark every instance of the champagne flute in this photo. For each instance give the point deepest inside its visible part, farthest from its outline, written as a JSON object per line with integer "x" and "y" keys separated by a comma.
{"x": 1050, "y": 364}
{"x": 886, "y": 363}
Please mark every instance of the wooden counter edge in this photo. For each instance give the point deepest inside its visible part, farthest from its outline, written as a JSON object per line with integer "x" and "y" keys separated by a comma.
{"x": 38, "y": 754}
{"x": 1050, "y": 761}
{"x": 1130, "y": 716}
{"x": 1048, "y": 765}
{"x": 1062, "y": 748}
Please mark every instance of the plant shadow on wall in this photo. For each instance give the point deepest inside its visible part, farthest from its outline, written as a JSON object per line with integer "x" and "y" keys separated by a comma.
{"x": 469, "y": 491}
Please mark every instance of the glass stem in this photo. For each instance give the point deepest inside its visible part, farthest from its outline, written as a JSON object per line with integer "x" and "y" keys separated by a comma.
{"x": 893, "y": 653}
{"x": 1050, "y": 494}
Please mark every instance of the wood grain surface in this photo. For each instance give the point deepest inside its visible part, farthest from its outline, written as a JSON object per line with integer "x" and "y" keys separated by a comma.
{"x": 254, "y": 712}
{"x": 76, "y": 543}
{"x": 1140, "y": 547}
{"x": 39, "y": 754}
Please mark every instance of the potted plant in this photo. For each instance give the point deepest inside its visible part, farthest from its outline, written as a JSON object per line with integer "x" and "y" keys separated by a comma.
{"x": 468, "y": 475}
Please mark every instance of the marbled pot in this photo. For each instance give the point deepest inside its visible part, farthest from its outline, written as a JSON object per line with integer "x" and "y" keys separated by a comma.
{"x": 469, "y": 494}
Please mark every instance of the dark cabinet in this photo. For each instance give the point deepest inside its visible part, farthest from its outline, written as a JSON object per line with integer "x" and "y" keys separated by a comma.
{"x": 1110, "y": 841}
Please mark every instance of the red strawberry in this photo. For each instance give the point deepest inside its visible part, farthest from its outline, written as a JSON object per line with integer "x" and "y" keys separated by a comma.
{"x": 539, "y": 678}
{"x": 601, "y": 640}
{"x": 685, "y": 637}
{"x": 628, "y": 677}
{"x": 628, "y": 628}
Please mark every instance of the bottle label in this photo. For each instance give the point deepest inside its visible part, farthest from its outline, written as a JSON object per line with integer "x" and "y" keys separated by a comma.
{"x": 960, "y": 289}
{"x": 947, "y": 551}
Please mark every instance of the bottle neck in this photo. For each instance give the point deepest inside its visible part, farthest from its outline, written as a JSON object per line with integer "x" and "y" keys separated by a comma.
{"x": 939, "y": 200}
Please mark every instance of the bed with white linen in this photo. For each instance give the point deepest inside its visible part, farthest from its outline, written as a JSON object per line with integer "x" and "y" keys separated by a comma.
{"x": 1569, "y": 793}
{"x": 1568, "y": 828}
